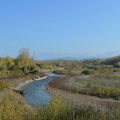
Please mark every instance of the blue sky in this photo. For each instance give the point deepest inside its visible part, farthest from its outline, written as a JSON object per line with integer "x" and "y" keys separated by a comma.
{"x": 60, "y": 28}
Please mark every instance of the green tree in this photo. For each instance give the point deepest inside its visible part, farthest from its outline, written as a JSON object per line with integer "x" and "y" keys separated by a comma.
{"x": 117, "y": 64}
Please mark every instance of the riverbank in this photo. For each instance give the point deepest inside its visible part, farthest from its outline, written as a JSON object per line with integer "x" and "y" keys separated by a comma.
{"x": 57, "y": 87}
{"x": 17, "y": 83}
{"x": 29, "y": 81}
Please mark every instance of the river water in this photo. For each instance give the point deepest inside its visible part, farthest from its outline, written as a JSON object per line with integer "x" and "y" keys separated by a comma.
{"x": 36, "y": 93}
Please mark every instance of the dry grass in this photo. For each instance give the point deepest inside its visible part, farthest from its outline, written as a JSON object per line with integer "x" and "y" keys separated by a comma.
{"x": 13, "y": 107}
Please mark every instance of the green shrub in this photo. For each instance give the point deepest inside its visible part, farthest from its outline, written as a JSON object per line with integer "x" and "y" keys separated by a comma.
{"x": 87, "y": 72}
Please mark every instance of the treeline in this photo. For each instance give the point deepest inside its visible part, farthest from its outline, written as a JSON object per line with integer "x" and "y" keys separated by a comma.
{"x": 112, "y": 61}
{"x": 21, "y": 65}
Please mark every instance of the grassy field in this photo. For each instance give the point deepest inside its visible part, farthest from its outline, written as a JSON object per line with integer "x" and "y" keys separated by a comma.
{"x": 92, "y": 78}
{"x": 90, "y": 90}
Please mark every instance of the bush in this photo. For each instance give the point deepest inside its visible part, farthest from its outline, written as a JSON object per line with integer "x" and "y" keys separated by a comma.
{"x": 87, "y": 72}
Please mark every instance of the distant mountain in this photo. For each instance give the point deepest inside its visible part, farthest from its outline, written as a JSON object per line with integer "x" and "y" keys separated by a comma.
{"x": 98, "y": 56}
{"x": 84, "y": 56}
{"x": 108, "y": 55}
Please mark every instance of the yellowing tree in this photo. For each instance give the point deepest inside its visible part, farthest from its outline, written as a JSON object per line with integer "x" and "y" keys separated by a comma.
{"x": 25, "y": 62}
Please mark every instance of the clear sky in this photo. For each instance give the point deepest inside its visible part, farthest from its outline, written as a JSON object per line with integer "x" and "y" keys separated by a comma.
{"x": 60, "y": 28}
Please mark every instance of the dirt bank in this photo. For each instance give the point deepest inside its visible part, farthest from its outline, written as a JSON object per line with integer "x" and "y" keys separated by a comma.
{"x": 20, "y": 81}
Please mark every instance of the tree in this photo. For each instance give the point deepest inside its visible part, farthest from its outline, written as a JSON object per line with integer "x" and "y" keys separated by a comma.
{"x": 9, "y": 61}
{"x": 25, "y": 62}
{"x": 117, "y": 64}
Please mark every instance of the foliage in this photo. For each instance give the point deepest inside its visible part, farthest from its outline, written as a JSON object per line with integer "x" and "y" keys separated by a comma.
{"x": 111, "y": 61}
{"x": 14, "y": 108}
{"x": 23, "y": 64}
{"x": 98, "y": 78}
{"x": 117, "y": 64}
{"x": 86, "y": 72}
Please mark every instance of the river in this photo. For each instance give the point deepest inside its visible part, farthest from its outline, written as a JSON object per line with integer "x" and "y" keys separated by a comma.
{"x": 36, "y": 93}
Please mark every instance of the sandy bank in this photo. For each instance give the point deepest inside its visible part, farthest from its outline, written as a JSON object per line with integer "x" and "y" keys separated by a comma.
{"x": 29, "y": 81}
